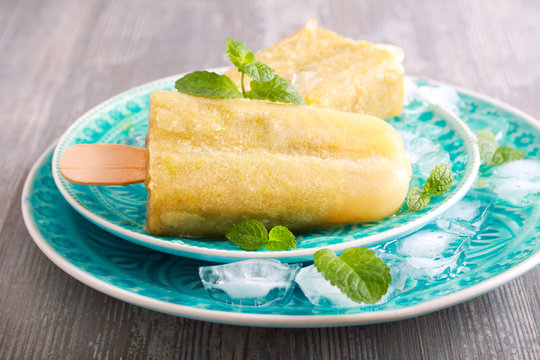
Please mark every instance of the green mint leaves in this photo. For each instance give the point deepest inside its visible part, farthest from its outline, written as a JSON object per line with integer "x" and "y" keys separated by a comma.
{"x": 439, "y": 181}
{"x": 280, "y": 238}
{"x": 252, "y": 235}
{"x": 441, "y": 177}
{"x": 259, "y": 72}
{"x": 195, "y": 83}
{"x": 506, "y": 154}
{"x": 244, "y": 60}
{"x": 249, "y": 234}
{"x": 265, "y": 84}
{"x": 278, "y": 90}
{"x": 417, "y": 199}
{"x": 358, "y": 273}
{"x": 493, "y": 155}
{"x": 238, "y": 52}
{"x": 487, "y": 144}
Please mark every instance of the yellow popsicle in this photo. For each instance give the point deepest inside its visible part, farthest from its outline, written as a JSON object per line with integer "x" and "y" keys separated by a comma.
{"x": 334, "y": 72}
{"x": 212, "y": 163}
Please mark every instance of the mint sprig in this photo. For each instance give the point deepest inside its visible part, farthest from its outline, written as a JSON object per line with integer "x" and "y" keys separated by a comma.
{"x": 506, "y": 154}
{"x": 195, "y": 84}
{"x": 258, "y": 71}
{"x": 439, "y": 181}
{"x": 265, "y": 84}
{"x": 243, "y": 58}
{"x": 417, "y": 199}
{"x": 493, "y": 155}
{"x": 249, "y": 234}
{"x": 278, "y": 90}
{"x": 487, "y": 144}
{"x": 252, "y": 235}
{"x": 238, "y": 52}
{"x": 358, "y": 273}
{"x": 280, "y": 239}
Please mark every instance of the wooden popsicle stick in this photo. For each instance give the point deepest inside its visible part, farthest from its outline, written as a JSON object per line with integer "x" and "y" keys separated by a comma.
{"x": 103, "y": 164}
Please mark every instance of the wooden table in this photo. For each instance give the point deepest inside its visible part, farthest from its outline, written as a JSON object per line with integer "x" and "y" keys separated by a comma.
{"x": 60, "y": 58}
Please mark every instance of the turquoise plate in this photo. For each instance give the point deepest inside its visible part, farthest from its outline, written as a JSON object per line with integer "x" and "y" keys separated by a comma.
{"x": 508, "y": 246}
{"x": 121, "y": 209}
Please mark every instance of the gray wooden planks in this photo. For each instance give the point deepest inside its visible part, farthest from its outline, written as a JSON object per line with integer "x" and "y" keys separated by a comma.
{"x": 60, "y": 58}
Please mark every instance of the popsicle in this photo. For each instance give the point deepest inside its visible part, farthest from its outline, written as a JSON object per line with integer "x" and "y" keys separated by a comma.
{"x": 334, "y": 72}
{"x": 212, "y": 163}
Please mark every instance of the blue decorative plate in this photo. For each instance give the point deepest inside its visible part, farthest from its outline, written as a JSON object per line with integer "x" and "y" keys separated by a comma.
{"x": 506, "y": 246}
{"x": 432, "y": 129}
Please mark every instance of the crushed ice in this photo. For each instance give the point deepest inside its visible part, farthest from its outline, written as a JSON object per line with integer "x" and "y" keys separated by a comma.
{"x": 517, "y": 182}
{"x": 251, "y": 282}
{"x": 434, "y": 252}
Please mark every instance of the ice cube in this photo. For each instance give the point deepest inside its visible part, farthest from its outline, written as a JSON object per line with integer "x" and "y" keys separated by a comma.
{"x": 136, "y": 139}
{"x": 419, "y": 94}
{"x": 411, "y": 94}
{"x": 406, "y": 136}
{"x": 426, "y": 243}
{"x": 430, "y": 253}
{"x": 416, "y": 145}
{"x": 517, "y": 182}
{"x": 428, "y": 161}
{"x": 319, "y": 291}
{"x": 251, "y": 282}
{"x": 498, "y": 125}
{"x": 467, "y": 216}
{"x": 440, "y": 95}
{"x": 427, "y": 128}
{"x": 423, "y": 153}
{"x": 400, "y": 270}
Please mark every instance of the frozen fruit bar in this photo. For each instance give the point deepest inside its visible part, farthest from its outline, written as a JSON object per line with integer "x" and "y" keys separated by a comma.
{"x": 215, "y": 162}
{"x": 334, "y": 72}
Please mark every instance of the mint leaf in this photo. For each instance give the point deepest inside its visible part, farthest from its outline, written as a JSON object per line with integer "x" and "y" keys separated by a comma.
{"x": 493, "y": 155}
{"x": 280, "y": 239}
{"x": 487, "y": 145}
{"x": 278, "y": 89}
{"x": 506, "y": 154}
{"x": 252, "y": 235}
{"x": 242, "y": 57}
{"x": 258, "y": 71}
{"x": 417, "y": 199}
{"x": 248, "y": 234}
{"x": 439, "y": 180}
{"x": 207, "y": 84}
{"x": 238, "y": 53}
{"x": 358, "y": 273}
{"x": 265, "y": 84}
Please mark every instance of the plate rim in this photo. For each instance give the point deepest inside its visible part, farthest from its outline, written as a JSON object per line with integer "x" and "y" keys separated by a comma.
{"x": 259, "y": 320}
{"x": 225, "y": 255}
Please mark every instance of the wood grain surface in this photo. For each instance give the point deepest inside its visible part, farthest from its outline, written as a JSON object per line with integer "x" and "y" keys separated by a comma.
{"x": 59, "y": 58}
